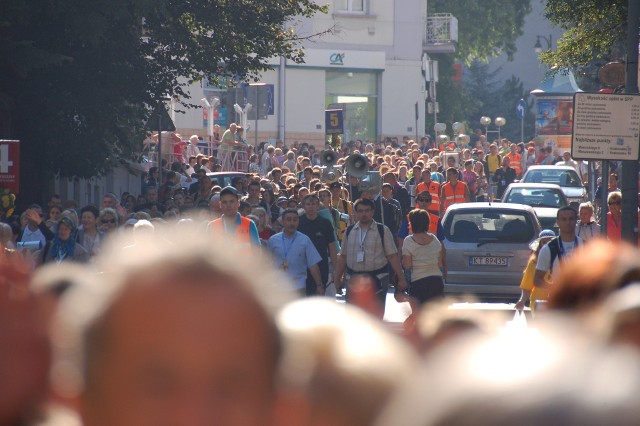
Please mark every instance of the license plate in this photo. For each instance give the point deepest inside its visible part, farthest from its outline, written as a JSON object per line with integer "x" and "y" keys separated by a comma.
{"x": 487, "y": 261}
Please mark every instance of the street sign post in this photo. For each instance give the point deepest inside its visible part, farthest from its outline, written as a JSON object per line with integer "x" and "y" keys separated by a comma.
{"x": 606, "y": 126}
{"x": 521, "y": 108}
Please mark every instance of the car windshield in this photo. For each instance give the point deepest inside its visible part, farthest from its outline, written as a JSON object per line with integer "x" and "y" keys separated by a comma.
{"x": 482, "y": 226}
{"x": 536, "y": 197}
{"x": 557, "y": 176}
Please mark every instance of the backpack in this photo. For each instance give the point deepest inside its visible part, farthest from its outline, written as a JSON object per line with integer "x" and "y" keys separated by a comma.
{"x": 554, "y": 247}
{"x": 380, "y": 231}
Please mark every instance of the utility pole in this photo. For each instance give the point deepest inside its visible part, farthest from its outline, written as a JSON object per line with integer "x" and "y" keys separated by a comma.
{"x": 629, "y": 178}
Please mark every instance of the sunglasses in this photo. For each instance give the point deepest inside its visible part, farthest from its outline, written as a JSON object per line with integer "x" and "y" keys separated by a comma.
{"x": 614, "y": 203}
{"x": 109, "y": 221}
{"x": 423, "y": 200}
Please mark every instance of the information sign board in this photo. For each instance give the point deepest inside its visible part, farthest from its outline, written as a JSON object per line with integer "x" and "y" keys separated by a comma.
{"x": 606, "y": 126}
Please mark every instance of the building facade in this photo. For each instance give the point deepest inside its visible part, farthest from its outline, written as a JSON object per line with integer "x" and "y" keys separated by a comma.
{"x": 367, "y": 62}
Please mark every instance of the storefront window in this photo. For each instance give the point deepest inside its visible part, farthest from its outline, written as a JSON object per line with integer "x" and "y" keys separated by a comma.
{"x": 357, "y": 95}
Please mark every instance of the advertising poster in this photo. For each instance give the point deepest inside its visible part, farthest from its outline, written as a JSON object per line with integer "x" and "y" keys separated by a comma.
{"x": 554, "y": 123}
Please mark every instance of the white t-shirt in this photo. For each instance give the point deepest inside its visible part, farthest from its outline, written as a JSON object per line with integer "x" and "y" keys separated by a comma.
{"x": 424, "y": 258}
{"x": 544, "y": 257}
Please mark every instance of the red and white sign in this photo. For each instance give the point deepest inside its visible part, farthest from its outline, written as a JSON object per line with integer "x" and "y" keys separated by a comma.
{"x": 10, "y": 165}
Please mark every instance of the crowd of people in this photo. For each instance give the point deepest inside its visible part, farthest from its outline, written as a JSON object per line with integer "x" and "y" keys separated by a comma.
{"x": 184, "y": 304}
{"x": 171, "y": 325}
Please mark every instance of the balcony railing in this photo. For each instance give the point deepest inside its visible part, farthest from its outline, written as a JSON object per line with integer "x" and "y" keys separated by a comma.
{"x": 442, "y": 33}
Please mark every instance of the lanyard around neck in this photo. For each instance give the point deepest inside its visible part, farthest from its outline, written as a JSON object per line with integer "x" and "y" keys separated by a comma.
{"x": 286, "y": 249}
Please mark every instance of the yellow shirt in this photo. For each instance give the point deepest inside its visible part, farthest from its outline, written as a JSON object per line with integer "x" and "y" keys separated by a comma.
{"x": 527, "y": 283}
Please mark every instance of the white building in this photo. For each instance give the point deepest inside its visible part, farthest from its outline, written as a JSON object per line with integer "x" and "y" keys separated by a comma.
{"x": 369, "y": 65}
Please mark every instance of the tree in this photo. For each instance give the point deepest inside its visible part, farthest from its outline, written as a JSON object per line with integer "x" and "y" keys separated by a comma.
{"x": 493, "y": 99}
{"x": 79, "y": 79}
{"x": 595, "y": 29}
{"x": 486, "y": 28}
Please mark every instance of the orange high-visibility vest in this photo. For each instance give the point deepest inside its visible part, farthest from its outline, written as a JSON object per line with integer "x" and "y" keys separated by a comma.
{"x": 514, "y": 162}
{"x": 433, "y": 223}
{"x": 434, "y": 190}
{"x": 243, "y": 230}
{"x": 453, "y": 195}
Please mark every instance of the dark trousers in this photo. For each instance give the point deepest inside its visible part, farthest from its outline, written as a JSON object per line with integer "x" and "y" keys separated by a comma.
{"x": 427, "y": 289}
{"x": 312, "y": 290}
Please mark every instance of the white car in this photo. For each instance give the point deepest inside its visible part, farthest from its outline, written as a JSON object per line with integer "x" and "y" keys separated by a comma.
{"x": 564, "y": 176}
{"x": 545, "y": 198}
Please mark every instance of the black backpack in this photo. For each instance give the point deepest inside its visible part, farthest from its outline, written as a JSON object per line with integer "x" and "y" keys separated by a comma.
{"x": 554, "y": 247}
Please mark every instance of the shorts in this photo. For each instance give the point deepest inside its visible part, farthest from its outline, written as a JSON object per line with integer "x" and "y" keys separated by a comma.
{"x": 427, "y": 289}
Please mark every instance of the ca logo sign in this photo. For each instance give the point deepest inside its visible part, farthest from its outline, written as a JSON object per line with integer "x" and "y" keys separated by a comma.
{"x": 336, "y": 58}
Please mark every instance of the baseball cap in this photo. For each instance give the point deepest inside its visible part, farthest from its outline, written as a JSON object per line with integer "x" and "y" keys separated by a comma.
{"x": 229, "y": 190}
{"x": 282, "y": 199}
{"x": 545, "y": 233}
{"x": 425, "y": 194}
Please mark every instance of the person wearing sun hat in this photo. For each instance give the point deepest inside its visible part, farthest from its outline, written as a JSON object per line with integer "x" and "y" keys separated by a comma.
{"x": 528, "y": 290}
{"x": 64, "y": 247}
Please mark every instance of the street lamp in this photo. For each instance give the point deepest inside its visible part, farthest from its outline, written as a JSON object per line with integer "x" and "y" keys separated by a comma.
{"x": 538, "y": 47}
{"x": 499, "y": 122}
{"x": 439, "y": 128}
{"x": 210, "y": 106}
{"x": 486, "y": 121}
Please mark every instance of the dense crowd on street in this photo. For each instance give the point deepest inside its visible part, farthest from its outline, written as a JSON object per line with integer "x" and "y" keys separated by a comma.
{"x": 191, "y": 302}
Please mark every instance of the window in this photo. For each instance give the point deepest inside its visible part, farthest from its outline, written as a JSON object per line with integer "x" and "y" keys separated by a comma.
{"x": 351, "y": 6}
{"x": 494, "y": 226}
{"x": 356, "y": 93}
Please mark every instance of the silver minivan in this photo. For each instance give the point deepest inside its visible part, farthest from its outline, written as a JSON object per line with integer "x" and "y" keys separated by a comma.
{"x": 487, "y": 247}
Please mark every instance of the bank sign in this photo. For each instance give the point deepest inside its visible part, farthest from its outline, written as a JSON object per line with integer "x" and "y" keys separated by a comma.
{"x": 10, "y": 165}
{"x": 337, "y": 58}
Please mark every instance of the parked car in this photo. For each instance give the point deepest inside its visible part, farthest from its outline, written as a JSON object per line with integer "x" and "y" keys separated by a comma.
{"x": 487, "y": 247}
{"x": 564, "y": 176}
{"x": 223, "y": 178}
{"x": 545, "y": 198}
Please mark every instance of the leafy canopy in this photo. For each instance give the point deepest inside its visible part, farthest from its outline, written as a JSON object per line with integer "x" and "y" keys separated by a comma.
{"x": 594, "y": 29}
{"x": 486, "y": 28}
{"x": 82, "y": 76}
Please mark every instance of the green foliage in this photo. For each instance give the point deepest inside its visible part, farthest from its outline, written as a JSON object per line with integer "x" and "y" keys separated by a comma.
{"x": 595, "y": 29}
{"x": 481, "y": 94}
{"x": 486, "y": 28}
{"x": 78, "y": 77}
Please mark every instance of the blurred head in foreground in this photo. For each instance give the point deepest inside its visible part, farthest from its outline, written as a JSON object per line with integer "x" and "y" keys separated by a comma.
{"x": 594, "y": 271}
{"x": 178, "y": 332}
{"x": 552, "y": 375}
{"x": 340, "y": 364}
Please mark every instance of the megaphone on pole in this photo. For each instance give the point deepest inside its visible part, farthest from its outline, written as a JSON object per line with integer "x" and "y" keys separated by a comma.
{"x": 330, "y": 174}
{"x": 328, "y": 158}
{"x": 356, "y": 165}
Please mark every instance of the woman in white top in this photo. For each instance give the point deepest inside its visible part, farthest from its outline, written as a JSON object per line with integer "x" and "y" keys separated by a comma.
{"x": 422, "y": 254}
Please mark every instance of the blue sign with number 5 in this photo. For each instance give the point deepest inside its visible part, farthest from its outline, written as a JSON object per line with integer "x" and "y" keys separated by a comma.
{"x": 334, "y": 121}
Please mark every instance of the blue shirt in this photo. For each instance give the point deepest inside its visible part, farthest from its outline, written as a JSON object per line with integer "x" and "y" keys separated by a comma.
{"x": 299, "y": 253}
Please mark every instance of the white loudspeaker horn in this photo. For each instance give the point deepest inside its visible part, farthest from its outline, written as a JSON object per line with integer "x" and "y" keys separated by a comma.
{"x": 328, "y": 158}
{"x": 357, "y": 165}
{"x": 371, "y": 182}
{"x": 330, "y": 175}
